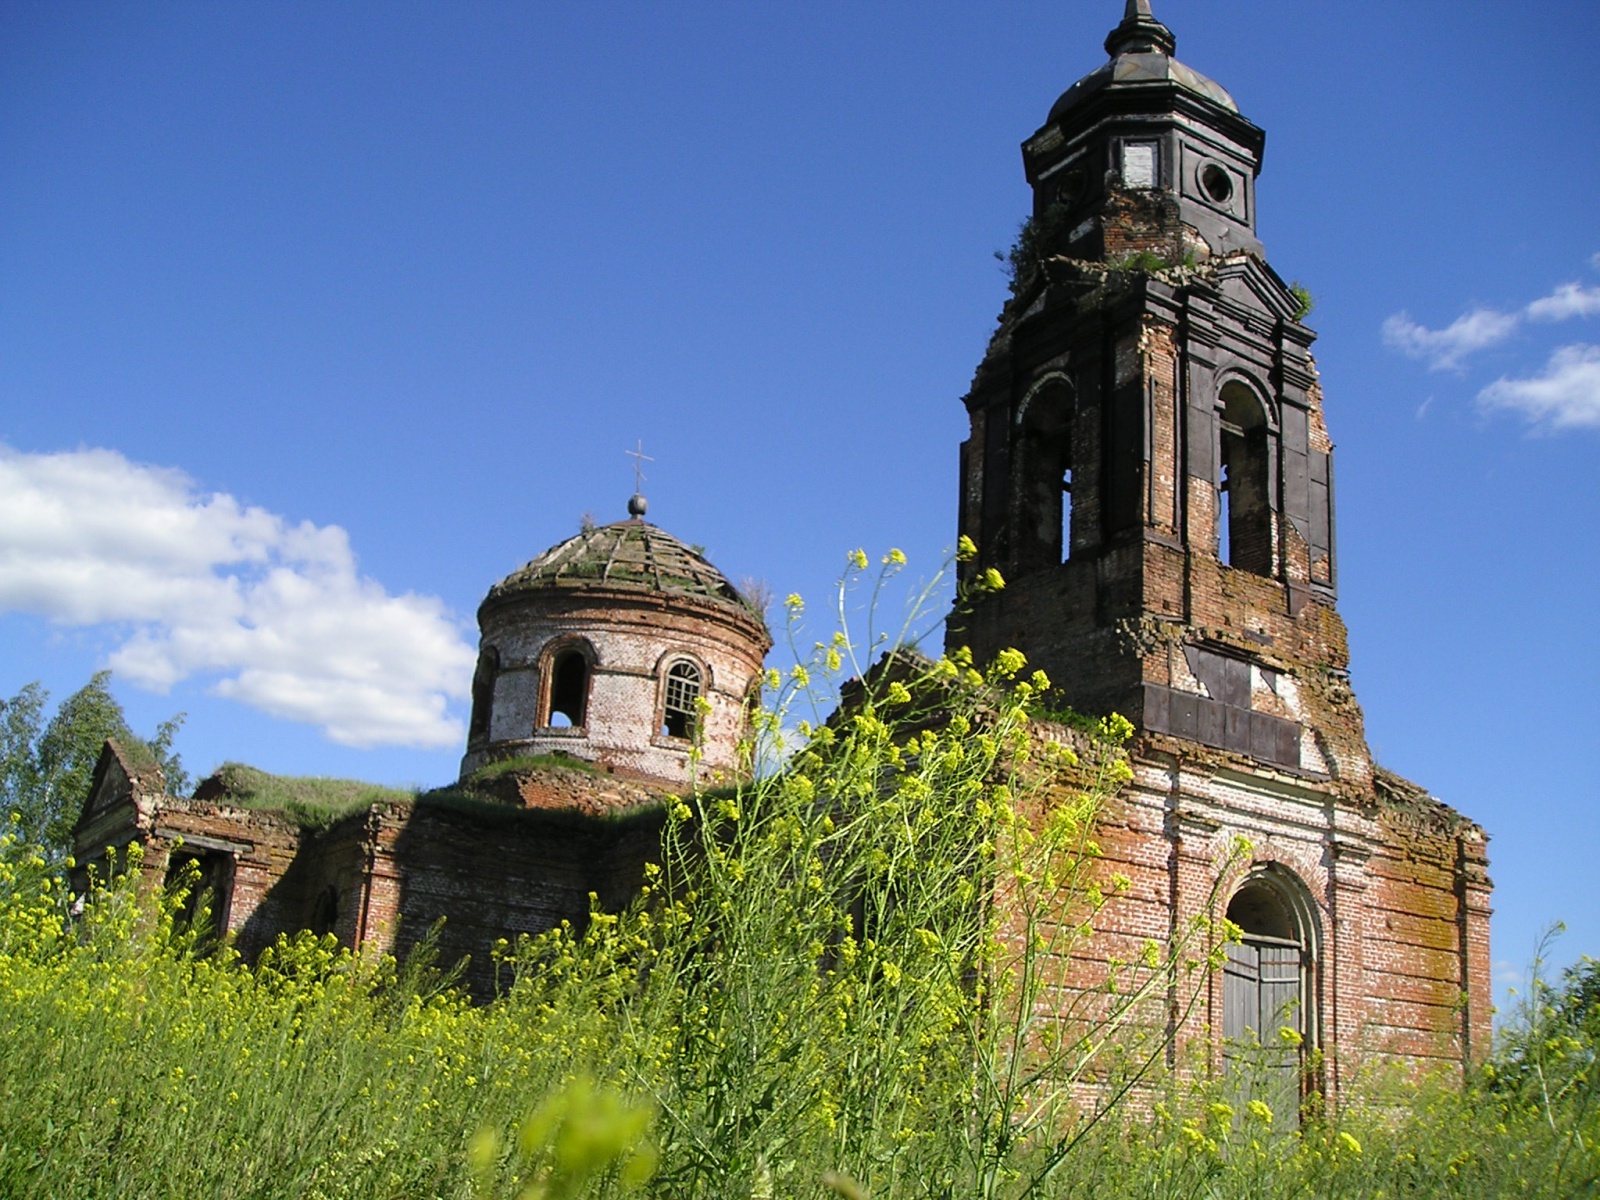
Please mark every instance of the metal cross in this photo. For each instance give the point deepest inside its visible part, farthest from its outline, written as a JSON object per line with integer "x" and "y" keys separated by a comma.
{"x": 639, "y": 459}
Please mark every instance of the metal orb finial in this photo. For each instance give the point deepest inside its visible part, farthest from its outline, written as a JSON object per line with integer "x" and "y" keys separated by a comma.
{"x": 637, "y": 505}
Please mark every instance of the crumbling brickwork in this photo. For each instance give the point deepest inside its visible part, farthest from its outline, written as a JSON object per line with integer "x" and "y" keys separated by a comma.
{"x": 1150, "y": 469}
{"x": 384, "y": 876}
{"x": 619, "y": 609}
{"x": 633, "y": 638}
{"x": 1155, "y": 372}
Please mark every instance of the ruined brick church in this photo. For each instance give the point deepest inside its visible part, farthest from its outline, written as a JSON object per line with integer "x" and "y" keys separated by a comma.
{"x": 1150, "y": 469}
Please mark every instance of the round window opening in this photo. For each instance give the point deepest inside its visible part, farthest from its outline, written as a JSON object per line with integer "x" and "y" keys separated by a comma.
{"x": 1216, "y": 183}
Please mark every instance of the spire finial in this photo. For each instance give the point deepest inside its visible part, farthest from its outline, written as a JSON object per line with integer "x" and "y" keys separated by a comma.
{"x": 1140, "y": 33}
{"x": 637, "y": 505}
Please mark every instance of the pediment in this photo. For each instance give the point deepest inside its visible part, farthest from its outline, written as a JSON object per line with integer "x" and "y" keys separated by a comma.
{"x": 119, "y": 779}
{"x": 1252, "y": 284}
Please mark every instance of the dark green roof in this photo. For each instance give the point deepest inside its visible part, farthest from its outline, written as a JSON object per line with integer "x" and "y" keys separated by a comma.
{"x": 1134, "y": 71}
{"x": 1141, "y": 50}
{"x": 631, "y": 555}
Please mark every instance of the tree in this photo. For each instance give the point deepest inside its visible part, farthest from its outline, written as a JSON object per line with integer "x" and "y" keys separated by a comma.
{"x": 20, "y": 779}
{"x": 46, "y": 770}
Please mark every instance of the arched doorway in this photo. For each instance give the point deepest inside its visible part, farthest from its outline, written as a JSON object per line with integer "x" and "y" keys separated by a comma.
{"x": 1267, "y": 995}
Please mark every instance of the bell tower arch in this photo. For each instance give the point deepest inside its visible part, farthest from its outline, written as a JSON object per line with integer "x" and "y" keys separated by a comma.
{"x": 1148, "y": 465}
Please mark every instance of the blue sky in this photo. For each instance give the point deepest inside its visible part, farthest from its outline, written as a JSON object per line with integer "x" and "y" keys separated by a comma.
{"x": 318, "y": 319}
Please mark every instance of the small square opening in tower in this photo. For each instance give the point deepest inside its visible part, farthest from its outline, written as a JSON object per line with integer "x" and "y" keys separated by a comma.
{"x": 1139, "y": 164}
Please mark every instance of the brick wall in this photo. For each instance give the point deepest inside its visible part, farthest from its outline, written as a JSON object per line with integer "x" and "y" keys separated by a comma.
{"x": 632, "y": 635}
{"x": 1394, "y": 917}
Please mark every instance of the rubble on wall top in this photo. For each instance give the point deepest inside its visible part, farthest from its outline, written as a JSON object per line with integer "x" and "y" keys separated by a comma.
{"x": 1398, "y": 792}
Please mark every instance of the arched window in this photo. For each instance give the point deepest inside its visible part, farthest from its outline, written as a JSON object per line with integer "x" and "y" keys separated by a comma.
{"x": 1244, "y": 517}
{"x": 1266, "y": 992}
{"x": 678, "y": 716}
{"x": 483, "y": 695}
{"x": 567, "y": 697}
{"x": 1045, "y": 502}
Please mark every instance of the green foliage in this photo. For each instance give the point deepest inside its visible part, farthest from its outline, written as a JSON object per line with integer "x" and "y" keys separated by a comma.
{"x": 1579, "y": 1003}
{"x": 509, "y": 766}
{"x": 1547, "y": 1062}
{"x": 576, "y": 1136}
{"x": 1045, "y": 236}
{"x": 1037, "y": 238}
{"x": 1140, "y": 260}
{"x": 1526, "y": 1124}
{"x": 46, "y": 769}
{"x": 1113, "y": 730}
{"x": 1391, "y": 1136}
{"x": 1304, "y": 302}
{"x": 314, "y": 802}
{"x": 21, "y": 781}
{"x": 813, "y": 998}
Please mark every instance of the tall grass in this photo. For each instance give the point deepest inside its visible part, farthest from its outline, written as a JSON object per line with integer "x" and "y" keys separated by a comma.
{"x": 839, "y": 982}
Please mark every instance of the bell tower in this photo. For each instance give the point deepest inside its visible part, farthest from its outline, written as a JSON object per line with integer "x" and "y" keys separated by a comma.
{"x": 1148, "y": 465}
{"x": 1149, "y": 470}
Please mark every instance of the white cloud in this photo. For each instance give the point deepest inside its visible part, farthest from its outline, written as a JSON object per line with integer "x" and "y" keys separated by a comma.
{"x": 1568, "y": 300}
{"x": 1565, "y": 396}
{"x": 276, "y": 611}
{"x": 1509, "y": 974}
{"x": 1445, "y": 348}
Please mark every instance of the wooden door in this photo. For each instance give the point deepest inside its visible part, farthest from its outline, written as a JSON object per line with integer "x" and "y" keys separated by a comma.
{"x": 1261, "y": 995}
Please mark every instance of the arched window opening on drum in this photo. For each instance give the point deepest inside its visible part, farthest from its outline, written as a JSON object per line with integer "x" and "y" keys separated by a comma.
{"x": 569, "y": 689}
{"x": 679, "y": 718}
{"x": 483, "y": 696}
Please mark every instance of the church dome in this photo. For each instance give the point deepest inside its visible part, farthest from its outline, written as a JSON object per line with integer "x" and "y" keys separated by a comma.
{"x": 1141, "y": 50}
{"x": 626, "y": 555}
{"x": 620, "y": 647}
{"x": 1140, "y": 70}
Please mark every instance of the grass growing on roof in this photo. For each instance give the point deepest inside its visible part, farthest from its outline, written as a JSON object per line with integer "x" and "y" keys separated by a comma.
{"x": 312, "y": 801}
{"x": 531, "y": 762}
{"x": 486, "y": 808}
